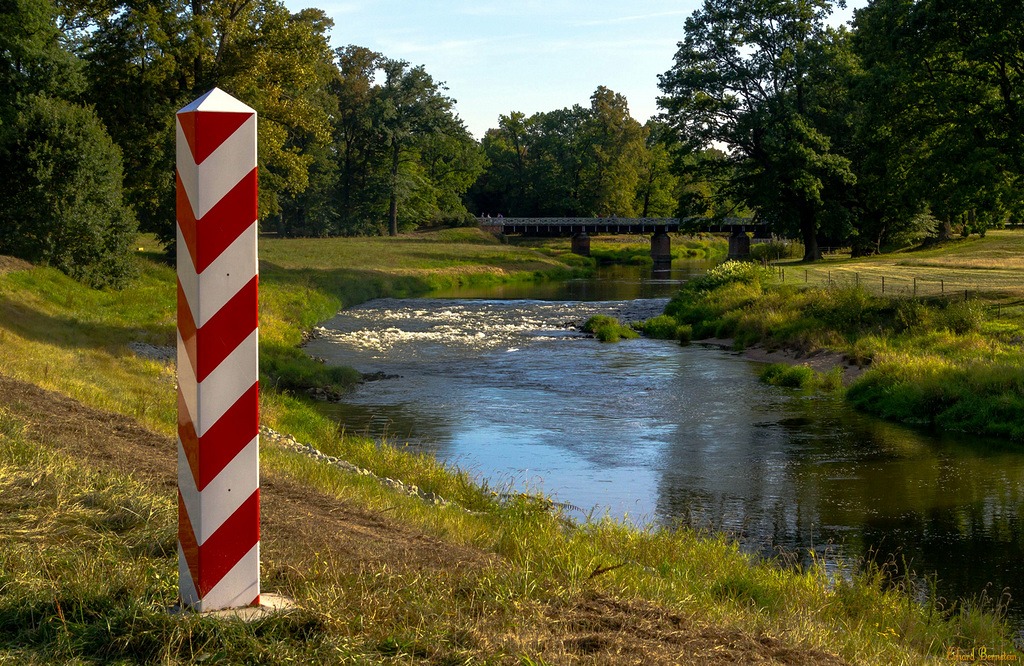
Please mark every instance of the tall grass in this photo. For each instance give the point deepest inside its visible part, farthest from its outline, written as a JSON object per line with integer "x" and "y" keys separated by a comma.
{"x": 937, "y": 361}
{"x": 87, "y": 559}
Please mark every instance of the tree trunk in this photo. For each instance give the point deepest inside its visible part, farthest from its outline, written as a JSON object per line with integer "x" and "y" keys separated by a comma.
{"x": 944, "y": 230}
{"x": 393, "y": 209}
{"x": 809, "y": 232}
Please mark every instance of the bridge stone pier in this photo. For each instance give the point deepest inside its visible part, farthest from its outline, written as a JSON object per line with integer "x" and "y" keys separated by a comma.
{"x": 661, "y": 246}
{"x": 580, "y": 229}
{"x": 739, "y": 244}
{"x": 581, "y": 244}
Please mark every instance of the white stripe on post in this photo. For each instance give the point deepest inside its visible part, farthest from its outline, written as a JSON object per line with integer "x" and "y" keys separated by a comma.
{"x": 218, "y": 421}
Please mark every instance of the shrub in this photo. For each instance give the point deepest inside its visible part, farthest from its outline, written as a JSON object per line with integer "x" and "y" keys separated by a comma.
{"x": 61, "y": 194}
{"x": 910, "y": 314}
{"x": 608, "y": 329}
{"x": 665, "y": 327}
{"x": 789, "y": 376}
{"x": 963, "y": 317}
{"x": 662, "y": 327}
{"x": 846, "y": 309}
{"x": 772, "y": 251}
{"x": 730, "y": 271}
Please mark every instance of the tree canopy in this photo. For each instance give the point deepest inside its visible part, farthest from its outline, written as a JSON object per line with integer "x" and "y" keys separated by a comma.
{"x": 906, "y": 122}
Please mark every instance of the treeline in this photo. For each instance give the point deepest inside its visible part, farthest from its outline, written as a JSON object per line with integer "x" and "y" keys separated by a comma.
{"x": 350, "y": 141}
{"x": 579, "y": 161}
{"x": 909, "y": 123}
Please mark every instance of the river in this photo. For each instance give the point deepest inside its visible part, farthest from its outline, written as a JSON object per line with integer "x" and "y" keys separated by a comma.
{"x": 498, "y": 382}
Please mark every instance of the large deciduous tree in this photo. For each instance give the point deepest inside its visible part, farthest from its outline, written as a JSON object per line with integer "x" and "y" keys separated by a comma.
{"x": 948, "y": 79}
{"x": 160, "y": 54}
{"x": 61, "y": 173}
{"x": 410, "y": 107}
{"x": 743, "y": 80}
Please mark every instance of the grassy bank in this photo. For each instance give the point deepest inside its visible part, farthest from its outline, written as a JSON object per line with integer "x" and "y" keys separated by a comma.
{"x": 87, "y": 561}
{"x": 953, "y": 361}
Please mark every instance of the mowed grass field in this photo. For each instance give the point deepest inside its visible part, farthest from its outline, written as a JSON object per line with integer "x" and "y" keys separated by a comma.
{"x": 991, "y": 267}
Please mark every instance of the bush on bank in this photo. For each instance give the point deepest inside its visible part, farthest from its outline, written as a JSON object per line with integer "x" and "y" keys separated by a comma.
{"x": 931, "y": 361}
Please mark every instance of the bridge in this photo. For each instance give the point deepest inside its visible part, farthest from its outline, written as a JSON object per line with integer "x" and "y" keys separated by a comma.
{"x": 580, "y": 229}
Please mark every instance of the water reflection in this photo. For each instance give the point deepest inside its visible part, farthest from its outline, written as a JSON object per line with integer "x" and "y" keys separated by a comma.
{"x": 668, "y": 434}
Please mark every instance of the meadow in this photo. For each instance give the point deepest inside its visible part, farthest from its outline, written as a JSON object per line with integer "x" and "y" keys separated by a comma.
{"x": 87, "y": 558}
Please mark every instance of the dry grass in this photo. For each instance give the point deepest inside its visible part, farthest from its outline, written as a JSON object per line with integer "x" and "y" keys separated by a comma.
{"x": 991, "y": 265}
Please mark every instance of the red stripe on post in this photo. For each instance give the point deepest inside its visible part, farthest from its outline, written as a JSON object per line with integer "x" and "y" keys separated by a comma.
{"x": 227, "y": 329}
{"x": 187, "y": 331}
{"x": 224, "y": 440}
{"x": 229, "y": 544}
{"x": 187, "y": 540}
{"x": 208, "y": 237}
{"x": 215, "y": 129}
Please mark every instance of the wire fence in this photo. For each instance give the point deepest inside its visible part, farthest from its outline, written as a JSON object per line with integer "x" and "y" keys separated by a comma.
{"x": 910, "y": 286}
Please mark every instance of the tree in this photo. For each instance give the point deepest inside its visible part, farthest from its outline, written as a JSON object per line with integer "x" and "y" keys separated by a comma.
{"x": 576, "y": 161}
{"x": 32, "y": 60}
{"x": 409, "y": 108}
{"x": 656, "y": 184}
{"x": 948, "y": 79}
{"x": 161, "y": 54}
{"x": 742, "y": 78}
{"x": 615, "y": 144}
{"x": 62, "y": 198}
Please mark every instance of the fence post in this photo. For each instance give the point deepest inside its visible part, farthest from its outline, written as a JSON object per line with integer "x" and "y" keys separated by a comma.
{"x": 915, "y": 287}
{"x": 218, "y": 373}
{"x": 883, "y": 284}
{"x": 942, "y": 286}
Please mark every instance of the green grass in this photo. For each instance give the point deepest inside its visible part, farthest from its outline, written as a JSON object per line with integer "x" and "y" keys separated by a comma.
{"x": 88, "y": 567}
{"x": 608, "y": 329}
{"x": 989, "y": 265}
{"x": 87, "y": 561}
{"x": 955, "y": 363}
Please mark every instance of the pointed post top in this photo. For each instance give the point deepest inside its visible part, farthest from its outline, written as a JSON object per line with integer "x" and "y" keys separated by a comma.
{"x": 216, "y": 100}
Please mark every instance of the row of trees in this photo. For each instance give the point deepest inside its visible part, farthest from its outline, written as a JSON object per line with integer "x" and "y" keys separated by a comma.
{"x": 577, "y": 161}
{"x": 908, "y": 121}
{"x": 349, "y": 141}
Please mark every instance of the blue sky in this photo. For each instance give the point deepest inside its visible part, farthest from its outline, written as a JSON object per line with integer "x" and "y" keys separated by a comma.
{"x": 527, "y": 55}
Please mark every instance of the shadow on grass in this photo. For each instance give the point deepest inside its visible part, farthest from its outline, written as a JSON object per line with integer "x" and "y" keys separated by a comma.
{"x": 117, "y": 627}
{"x": 73, "y": 333}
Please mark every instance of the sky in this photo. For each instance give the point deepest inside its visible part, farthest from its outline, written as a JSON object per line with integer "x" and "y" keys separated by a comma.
{"x": 524, "y": 55}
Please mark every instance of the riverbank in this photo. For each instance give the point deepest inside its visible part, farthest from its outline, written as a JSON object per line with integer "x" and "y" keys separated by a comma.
{"x": 507, "y": 580}
{"x": 955, "y": 363}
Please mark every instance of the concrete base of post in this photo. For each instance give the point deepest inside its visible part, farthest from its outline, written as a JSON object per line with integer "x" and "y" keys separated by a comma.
{"x": 269, "y": 604}
{"x": 581, "y": 244}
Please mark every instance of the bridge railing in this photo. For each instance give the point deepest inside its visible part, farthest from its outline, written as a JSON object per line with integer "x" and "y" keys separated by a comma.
{"x": 612, "y": 221}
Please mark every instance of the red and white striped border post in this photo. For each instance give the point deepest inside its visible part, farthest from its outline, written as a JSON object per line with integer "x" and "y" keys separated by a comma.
{"x": 218, "y": 419}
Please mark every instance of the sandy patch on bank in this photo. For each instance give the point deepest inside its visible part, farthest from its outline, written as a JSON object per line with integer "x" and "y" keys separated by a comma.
{"x": 819, "y": 360}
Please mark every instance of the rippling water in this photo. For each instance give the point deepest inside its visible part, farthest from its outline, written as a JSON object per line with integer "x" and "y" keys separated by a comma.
{"x": 664, "y": 434}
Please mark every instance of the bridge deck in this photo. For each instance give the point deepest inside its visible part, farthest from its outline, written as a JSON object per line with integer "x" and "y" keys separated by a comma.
{"x": 612, "y": 225}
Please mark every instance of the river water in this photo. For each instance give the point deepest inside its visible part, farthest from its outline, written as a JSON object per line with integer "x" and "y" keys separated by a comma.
{"x": 499, "y": 382}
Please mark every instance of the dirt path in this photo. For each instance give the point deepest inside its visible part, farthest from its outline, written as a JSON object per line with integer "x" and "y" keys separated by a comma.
{"x": 592, "y": 629}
